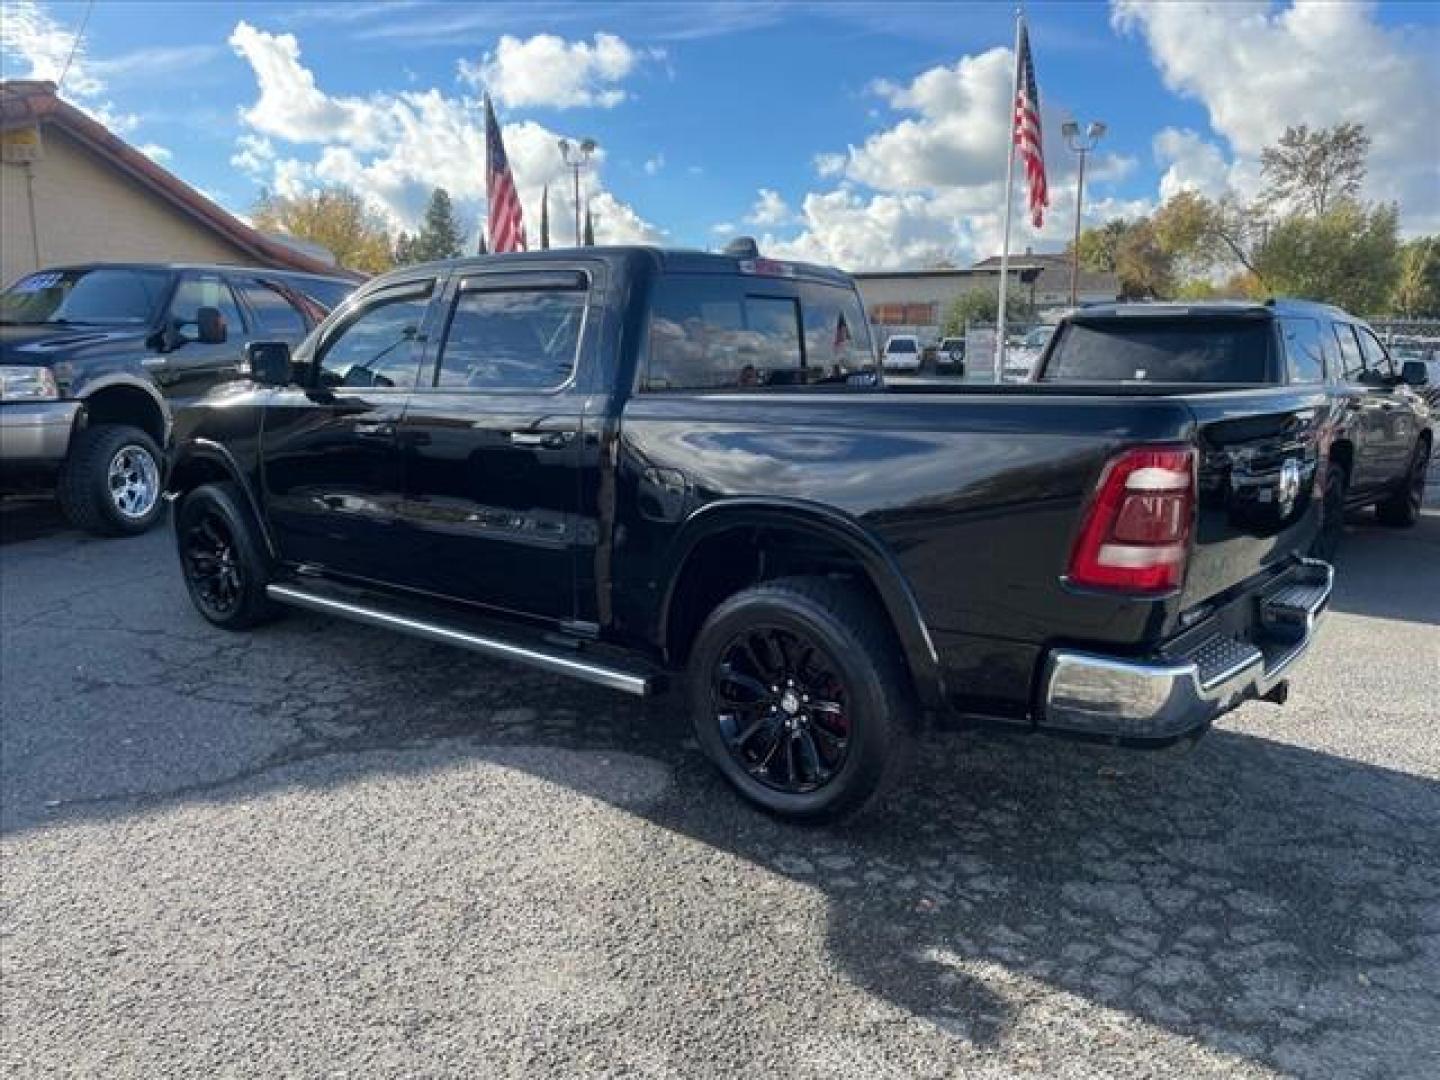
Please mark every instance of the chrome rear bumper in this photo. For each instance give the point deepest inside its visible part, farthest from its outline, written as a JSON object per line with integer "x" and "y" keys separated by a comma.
{"x": 1167, "y": 696}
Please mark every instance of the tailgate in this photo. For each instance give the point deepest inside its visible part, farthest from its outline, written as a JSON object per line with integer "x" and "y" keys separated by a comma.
{"x": 1261, "y": 457}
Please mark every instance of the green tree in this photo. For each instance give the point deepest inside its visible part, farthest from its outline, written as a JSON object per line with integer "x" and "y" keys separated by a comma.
{"x": 1313, "y": 171}
{"x": 336, "y": 218}
{"x": 440, "y": 235}
{"x": 1099, "y": 246}
{"x": 1417, "y": 279}
{"x": 983, "y": 306}
{"x": 1346, "y": 256}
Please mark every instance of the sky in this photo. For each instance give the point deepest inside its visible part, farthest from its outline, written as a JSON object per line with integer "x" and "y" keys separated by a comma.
{"x": 865, "y": 135}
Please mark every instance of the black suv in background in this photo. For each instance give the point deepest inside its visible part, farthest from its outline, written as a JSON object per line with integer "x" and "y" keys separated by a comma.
{"x": 1378, "y": 426}
{"x": 95, "y": 360}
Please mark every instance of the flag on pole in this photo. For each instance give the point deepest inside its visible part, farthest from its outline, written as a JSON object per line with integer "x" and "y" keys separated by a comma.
{"x": 507, "y": 228}
{"x": 1027, "y": 131}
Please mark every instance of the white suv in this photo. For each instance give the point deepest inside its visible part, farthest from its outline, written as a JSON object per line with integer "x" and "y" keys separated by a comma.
{"x": 902, "y": 353}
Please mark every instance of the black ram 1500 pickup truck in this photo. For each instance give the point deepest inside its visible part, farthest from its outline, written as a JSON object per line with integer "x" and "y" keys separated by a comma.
{"x": 1378, "y": 431}
{"x": 618, "y": 464}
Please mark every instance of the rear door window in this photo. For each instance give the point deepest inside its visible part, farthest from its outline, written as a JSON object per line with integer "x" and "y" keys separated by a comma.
{"x": 1162, "y": 351}
{"x": 1304, "y": 357}
{"x": 512, "y": 339}
{"x": 274, "y": 313}
{"x": 1352, "y": 362}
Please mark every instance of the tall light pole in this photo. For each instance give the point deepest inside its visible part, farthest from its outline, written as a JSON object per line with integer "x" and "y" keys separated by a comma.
{"x": 577, "y": 156}
{"x": 1093, "y": 133}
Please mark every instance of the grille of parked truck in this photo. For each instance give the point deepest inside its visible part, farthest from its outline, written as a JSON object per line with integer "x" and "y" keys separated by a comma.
{"x": 639, "y": 467}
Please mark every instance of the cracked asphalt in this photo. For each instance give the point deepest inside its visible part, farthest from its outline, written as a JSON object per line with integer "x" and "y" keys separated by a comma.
{"x": 324, "y": 850}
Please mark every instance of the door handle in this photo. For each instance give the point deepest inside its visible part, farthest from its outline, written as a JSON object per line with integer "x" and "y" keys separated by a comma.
{"x": 374, "y": 429}
{"x": 154, "y": 362}
{"x": 544, "y": 440}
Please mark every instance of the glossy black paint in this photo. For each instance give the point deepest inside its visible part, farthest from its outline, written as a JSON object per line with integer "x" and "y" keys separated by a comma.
{"x": 585, "y": 508}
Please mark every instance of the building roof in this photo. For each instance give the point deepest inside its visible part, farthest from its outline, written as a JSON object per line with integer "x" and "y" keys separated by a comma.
{"x": 25, "y": 102}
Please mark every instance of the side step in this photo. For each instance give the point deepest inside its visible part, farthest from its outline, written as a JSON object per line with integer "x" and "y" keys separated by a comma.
{"x": 615, "y": 677}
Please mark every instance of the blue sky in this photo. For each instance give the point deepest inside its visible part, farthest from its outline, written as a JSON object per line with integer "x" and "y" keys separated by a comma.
{"x": 861, "y": 133}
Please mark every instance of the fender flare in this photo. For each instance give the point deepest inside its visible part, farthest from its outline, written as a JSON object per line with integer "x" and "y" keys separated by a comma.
{"x": 105, "y": 382}
{"x": 840, "y": 529}
{"x": 212, "y": 452}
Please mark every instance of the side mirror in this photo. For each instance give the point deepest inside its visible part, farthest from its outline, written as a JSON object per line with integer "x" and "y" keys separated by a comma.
{"x": 210, "y": 326}
{"x": 1414, "y": 373}
{"x": 268, "y": 363}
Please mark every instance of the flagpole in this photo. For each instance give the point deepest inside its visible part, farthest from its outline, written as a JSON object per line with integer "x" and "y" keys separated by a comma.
{"x": 1009, "y": 202}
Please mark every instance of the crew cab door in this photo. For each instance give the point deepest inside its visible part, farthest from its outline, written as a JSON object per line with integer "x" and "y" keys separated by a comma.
{"x": 1375, "y": 414}
{"x": 491, "y": 444}
{"x": 331, "y": 462}
{"x": 192, "y": 368}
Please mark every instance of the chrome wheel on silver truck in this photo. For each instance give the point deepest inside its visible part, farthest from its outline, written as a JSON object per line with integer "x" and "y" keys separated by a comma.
{"x": 111, "y": 481}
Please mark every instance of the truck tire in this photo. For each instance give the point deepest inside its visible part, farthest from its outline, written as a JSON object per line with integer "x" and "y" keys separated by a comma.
{"x": 800, "y": 697}
{"x": 222, "y": 557}
{"x": 1402, "y": 508}
{"x": 111, "y": 482}
{"x": 1332, "y": 514}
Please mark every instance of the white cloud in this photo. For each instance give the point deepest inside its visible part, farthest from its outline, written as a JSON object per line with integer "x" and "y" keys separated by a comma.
{"x": 155, "y": 152}
{"x": 654, "y": 165}
{"x": 546, "y": 70}
{"x": 33, "y": 45}
{"x": 253, "y": 155}
{"x": 1258, "y": 69}
{"x": 930, "y": 187}
{"x": 395, "y": 149}
{"x": 770, "y": 210}
{"x": 1192, "y": 163}
{"x": 723, "y": 228}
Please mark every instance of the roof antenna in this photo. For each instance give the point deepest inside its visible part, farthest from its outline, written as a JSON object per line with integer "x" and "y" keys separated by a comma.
{"x": 75, "y": 44}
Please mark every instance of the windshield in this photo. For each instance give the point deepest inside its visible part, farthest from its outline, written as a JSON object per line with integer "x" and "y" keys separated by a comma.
{"x": 901, "y": 345}
{"x": 103, "y": 296}
{"x": 1179, "y": 351}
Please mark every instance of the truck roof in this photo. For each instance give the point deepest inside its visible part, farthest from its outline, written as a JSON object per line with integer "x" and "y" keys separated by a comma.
{"x": 674, "y": 260}
{"x": 339, "y": 276}
{"x": 1212, "y": 308}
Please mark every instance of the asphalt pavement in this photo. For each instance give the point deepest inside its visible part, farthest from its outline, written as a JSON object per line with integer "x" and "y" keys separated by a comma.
{"x": 322, "y": 849}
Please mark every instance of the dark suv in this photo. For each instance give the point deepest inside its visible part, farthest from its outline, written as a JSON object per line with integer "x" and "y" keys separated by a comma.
{"x": 95, "y": 360}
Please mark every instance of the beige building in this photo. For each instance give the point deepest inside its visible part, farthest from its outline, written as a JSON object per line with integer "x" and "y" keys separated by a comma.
{"x": 73, "y": 192}
{"x": 915, "y": 301}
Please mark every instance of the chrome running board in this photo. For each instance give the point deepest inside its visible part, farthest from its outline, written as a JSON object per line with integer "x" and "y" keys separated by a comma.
{"x": 615, "y": 678}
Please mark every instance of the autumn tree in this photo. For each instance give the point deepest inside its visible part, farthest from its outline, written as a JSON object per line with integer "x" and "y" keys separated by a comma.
{"x": 1345, "y": 256}
{"x": 1311, "y": 171}
{"x": 336, "y": 218}
{"x": 1417, "y": 282}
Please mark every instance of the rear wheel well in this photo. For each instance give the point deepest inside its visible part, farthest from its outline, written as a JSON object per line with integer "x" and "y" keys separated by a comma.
{"x": 730, "y": 560}
{"x": 127, "y": 405}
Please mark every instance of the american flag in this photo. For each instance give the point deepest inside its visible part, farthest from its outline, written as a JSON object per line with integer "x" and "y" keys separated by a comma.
{"x": 1027, "y": 131}
{"x": 507, "y": 229}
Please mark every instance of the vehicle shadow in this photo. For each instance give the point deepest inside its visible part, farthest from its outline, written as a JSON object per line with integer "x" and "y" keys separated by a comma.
{"x": 1270, "y": 902}
{"x": 1378, "y": 570}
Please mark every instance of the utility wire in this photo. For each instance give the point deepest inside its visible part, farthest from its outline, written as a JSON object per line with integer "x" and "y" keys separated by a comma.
{"x": 74, "y": 45}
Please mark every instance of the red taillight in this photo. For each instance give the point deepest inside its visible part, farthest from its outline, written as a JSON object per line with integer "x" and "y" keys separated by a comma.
{"x": 1136, "y": 535}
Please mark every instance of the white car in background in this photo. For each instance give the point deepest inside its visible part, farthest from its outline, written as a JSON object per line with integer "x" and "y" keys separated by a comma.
{"x": 902, "y": 353}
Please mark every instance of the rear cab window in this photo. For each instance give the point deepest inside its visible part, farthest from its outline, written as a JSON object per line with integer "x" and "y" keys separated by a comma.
{"x": 1162, "y": 350}
{"x": 719, "y": 331}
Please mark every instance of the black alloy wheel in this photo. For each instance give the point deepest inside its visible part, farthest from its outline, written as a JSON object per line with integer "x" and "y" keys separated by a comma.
{"x": 222, "y": 557}
{"x": 1403, "y": 507}
{"x": 212, "y": 565}
{"x": 781, "y": 707}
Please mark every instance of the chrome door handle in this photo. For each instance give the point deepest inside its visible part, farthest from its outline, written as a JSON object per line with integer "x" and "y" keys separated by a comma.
{"x": 153, "y": 361}
{"x": 374, "y": 428}
{"x": 545, "y": 440}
